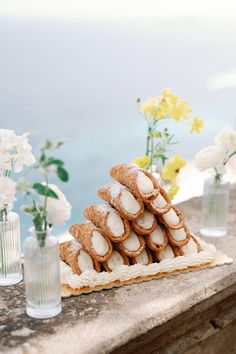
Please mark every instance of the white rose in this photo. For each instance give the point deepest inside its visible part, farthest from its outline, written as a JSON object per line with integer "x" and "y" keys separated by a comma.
{"x": 7, "y": 192}
{"x": 24, "y": 154}
{"x": 227, "y": 138}
{"x": 209, "y": 157}
{"x": 58, "y": 210}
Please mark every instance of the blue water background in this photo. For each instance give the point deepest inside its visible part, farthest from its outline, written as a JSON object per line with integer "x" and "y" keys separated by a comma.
{"x": 79, "y": 81}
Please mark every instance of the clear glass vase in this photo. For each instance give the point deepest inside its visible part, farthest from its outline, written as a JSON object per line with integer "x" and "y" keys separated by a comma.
{"x": 215, "y": 206}
{"x": 42, "y": 275}
{"x": 10, "y": 252}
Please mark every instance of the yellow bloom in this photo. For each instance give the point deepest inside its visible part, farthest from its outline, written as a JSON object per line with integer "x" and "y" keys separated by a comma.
{"x": 151, "y": 108}
{"x": 166, "y": 93}
{"x": 172, "y": 168}
{"x": 178, "y": 108}
{"x": 142, "y": 161}
{"x": 197, "y": 124}
{"x": 174, "y": 188}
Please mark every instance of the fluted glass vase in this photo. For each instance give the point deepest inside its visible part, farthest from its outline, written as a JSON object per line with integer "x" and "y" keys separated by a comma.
{"x": 42, "y": 275}
{"x": 10, "y": 252}
{"x": 215, "y": 206}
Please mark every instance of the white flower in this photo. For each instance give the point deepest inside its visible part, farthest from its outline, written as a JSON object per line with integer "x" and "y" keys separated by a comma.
{"x": 24, "y": 154}
{"x": 58, "y": 210}
{"x": 7, "y": 192}
{"x": 227, "y": 138}
{"x": 15, "y": 151}
{"x": 209, "y": 157}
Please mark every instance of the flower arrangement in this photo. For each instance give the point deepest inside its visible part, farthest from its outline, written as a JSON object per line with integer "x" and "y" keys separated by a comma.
{"x": 159, "y": 141}
{"x": 216, "y": 157}
{"x": 15, "y": 152}
{"x": 49, "y": 205}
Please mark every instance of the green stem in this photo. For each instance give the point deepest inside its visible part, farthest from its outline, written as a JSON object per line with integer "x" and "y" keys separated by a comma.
{"x": 229, "y": 157}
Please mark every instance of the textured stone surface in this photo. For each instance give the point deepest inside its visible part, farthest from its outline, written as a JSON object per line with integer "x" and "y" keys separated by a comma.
{"x": 101, "y": 322}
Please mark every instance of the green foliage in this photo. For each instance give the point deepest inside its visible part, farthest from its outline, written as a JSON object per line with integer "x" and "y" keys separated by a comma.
{"x": 44, "y": 190}
{"x": 46, "y": 165}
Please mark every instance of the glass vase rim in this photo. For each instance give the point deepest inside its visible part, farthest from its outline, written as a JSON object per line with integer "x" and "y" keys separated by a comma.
{"x": 33, "y": 231}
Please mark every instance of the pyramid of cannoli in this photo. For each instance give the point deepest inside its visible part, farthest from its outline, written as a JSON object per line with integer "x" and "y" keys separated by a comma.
{"x": 135, "y": 234}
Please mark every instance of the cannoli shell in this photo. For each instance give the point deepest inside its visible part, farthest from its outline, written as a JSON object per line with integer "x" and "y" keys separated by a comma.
{"x": 156, "y": 255}
{"x": 153, "y": 246}
{"x": 160, "y": 211}
{"x": 69, "y": 252}
{"x": 171, "y": 226}
{"x": 149, "y": 254}
{"x": 178, "y": 243}
{"x": 105, "y": 194}
{"x": 125, "y": 258}
{"x": 127, "y": 174}
{"x": 83, "y": 234}
{"x": 128, "y": 253}
{"x": 98, "y": 217}
{"x": 199, "y": 247}
{"x": 140, "y": 230}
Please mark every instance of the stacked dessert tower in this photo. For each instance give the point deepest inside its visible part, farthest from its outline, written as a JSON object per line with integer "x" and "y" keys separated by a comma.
{"x": 137, "y": 224}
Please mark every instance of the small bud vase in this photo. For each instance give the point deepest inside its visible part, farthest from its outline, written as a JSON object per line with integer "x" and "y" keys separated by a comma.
{"x": 215, "y": 206}
{"x": 10, "y": 251}
{"x": 42, "y": 275}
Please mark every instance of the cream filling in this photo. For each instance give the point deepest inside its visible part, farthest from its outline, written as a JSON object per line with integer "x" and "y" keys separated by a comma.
{"x": 129, "y": 203}
{"x": 159, "y": 202}
{"x": 115, "y": 261}
{"x": 142, "y": 258}
{"x": 99, "y": 244}
{"x": 84, "y": 261}
{"x": 132, "y": 243}
{"x": 189, "y": 248}
{"x": 171, "y": 217}
{"x": 90, "y": 278}
{"x": 146, "y": 220}
{"x": 115, "y": 224}
{"x": 157, "y": 236}
{"x": 178, "y": 235}
{"x": 144, "y": 184}
{"x": 166, "y": 253}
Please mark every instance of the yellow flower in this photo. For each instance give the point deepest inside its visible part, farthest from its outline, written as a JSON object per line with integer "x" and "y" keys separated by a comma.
{"x": 172, "y": 168}
{"x": 142, "y": 161}
{"x": 166, "y": 93}
{"x": 178, "y": 108}
{"x": 151, "y": 108}
{"x": 197, "y": 124}
{"x": 174, "y": 188}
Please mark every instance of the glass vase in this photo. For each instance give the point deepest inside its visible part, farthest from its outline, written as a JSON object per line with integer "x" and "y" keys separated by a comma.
{"x": 10, "y": 252}
{"x": 42, "y": 275}
{"x": 215, "y": 206}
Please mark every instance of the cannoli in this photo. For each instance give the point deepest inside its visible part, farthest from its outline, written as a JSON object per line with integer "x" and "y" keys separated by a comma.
{"x": 144, "y": 258}
{"x": 123, "y": 200}
{"x": 191, "y": 247}
{"x": 157, "y": 239}
{"x": 178, "y": 237}
{"x": 109, "y": 221}
{"x": 161, "y": 204}
{"x": 74, "y": 255}
{"x": 145, "y": 224}
{"x": 116, "y": 260}
{"x": 133, "y": 245}
{"x": 141, "y": 182}
{"x": 166, "y": 253}
{"x": 173, "y": 219}
{"x": 95, "y": 242}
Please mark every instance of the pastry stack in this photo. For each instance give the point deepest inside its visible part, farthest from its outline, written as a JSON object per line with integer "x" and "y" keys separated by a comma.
{"x": 135, "y": 226}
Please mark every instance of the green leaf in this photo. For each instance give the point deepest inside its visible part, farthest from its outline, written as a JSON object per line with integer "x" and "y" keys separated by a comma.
{"x": 44, "y": 190}
{"x": 53, "y": 161}
{"x": 38, "y": 222}
{"x": 62, "y": 174}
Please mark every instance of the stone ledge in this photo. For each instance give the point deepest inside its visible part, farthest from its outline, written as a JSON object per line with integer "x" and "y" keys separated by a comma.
{"x": 101, "y": 322}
